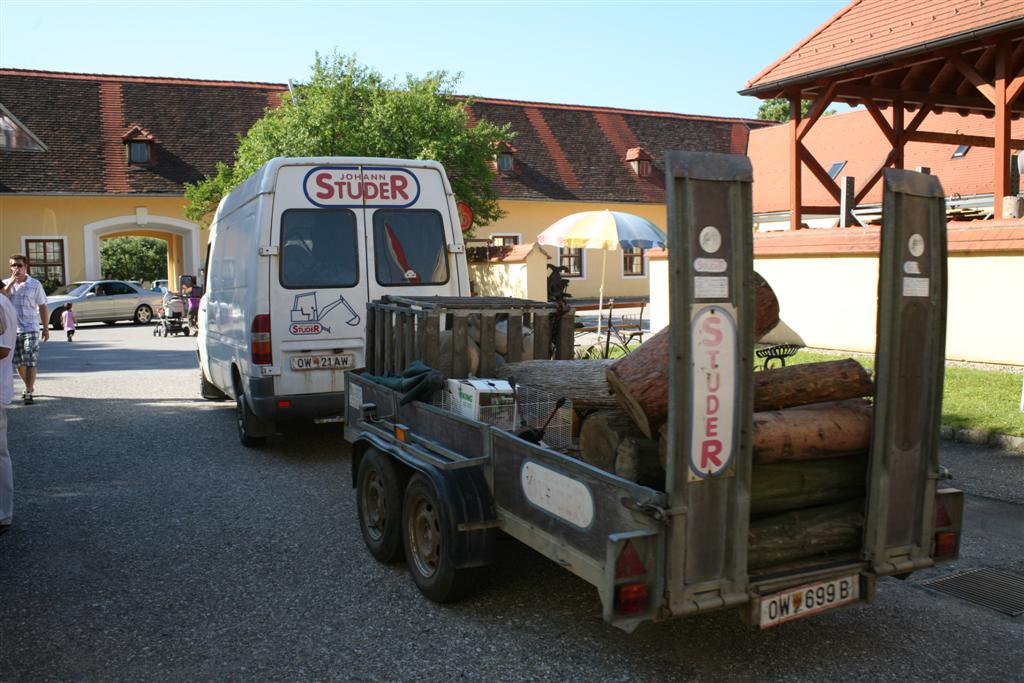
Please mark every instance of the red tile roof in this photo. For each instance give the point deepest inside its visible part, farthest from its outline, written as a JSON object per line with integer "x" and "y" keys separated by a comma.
{"x": 868, "y": 29}
{"x": 562, "y": 151}
{"x": 854, "y": 137}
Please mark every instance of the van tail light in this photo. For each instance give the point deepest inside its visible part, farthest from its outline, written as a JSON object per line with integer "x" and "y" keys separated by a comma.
{"x": 631, "y": 597}
{"x": 260, "y": 340}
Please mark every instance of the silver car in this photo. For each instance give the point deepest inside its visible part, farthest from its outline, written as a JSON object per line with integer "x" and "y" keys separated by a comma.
{"x": 104, "y": 300}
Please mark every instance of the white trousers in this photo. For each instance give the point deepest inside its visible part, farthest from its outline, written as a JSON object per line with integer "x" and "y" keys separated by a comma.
{"x": 6, "y": 473}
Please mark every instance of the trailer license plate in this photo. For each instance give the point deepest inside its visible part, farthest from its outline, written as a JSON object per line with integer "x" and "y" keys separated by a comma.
{"x": 797, "y": 603}
{"x": 333, "y": 361}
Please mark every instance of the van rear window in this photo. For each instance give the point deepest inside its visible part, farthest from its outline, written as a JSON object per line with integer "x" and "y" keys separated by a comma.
{"x": 319, "y": 248}
{"x": 409, "y": 248}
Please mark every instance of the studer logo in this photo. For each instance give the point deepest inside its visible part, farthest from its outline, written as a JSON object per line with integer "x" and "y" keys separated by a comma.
{"x": 713, "y": 392}
{"x": 350, "y": 186}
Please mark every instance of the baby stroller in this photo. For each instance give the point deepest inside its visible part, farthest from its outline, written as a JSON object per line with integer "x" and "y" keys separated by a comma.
{"x": 172, "y": 317}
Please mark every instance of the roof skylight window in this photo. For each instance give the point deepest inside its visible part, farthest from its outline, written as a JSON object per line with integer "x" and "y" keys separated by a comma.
{"x": 835, "y": 168}
{"x": 961, "y": 152}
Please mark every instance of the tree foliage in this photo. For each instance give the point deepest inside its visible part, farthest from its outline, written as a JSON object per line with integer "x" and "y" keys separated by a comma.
{"x": 777, "y": 109}
{"x": 133, "y": 258}
{"x": 350, "y": 110}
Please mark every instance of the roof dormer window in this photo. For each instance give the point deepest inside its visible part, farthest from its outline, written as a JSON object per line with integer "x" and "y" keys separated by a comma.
{"x": 505, "y": 160}
{"x": 640, "y": 161}
{"x": 139, "y": 144}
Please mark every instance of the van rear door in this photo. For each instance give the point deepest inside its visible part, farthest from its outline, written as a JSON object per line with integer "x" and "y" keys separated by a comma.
{"x": 318, "y": 279}
{"x": 409, "y": 232}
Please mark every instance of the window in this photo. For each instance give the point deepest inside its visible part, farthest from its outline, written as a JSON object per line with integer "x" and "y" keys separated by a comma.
{"x": 633, "y": 262}
{"x": 835, "y": 168}
{"x": 15, "y": 136}
{"x": 505, "y": 163}
{"x": 572, "y": 260}
{"x": 409, "y": 248}
{"x": 961, "y": 152}
{"x": 114, "y": 288}
{"x": 46, "y": 260}
{"x": 319, "y": 248}
{"x": 138, "y": 153}
{"x": 504, "y": 240}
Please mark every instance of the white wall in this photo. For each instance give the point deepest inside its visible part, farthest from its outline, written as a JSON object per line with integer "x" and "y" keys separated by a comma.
{"x": 830, "y": 302}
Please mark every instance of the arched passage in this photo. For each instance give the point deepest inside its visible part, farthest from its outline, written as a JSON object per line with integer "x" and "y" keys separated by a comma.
{"x": 183, "y": 241}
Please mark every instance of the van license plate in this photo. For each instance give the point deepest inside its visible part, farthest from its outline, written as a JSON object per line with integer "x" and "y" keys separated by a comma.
{"x": 333, "y": 361}
{"x": 797, "y": 603}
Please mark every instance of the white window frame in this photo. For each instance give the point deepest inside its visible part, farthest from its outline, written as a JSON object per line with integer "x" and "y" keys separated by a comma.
{"x": 64, "y": 247}
{"x": 632, "y": 276}
{"x": 583, "y": 265}
{"x": 517, "y": 235}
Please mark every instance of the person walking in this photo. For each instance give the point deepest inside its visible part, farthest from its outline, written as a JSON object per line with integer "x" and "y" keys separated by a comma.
{"x": 8, "y": 339}
{"x": 67, "y": 321}
{"x": 29, "y": 299}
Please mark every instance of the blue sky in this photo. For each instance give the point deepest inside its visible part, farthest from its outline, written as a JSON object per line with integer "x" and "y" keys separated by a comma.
{"x": 686, "y": 57}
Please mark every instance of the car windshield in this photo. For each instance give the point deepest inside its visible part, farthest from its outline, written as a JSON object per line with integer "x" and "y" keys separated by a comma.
{"x": 73, "y": 289}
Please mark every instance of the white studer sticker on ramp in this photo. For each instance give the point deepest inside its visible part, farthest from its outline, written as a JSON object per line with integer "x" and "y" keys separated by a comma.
{"x": 557, "y": 494}
{"x": 713, "y": 394}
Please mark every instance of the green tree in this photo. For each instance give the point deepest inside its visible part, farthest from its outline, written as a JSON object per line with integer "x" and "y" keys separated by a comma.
{"x": 133, "y": 258}
{"x": 777, "y": 109}
{"x": 350, "y": 110}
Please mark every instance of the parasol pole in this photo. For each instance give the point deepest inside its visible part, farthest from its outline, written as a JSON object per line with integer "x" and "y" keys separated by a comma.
{"x": 600, "y": 294}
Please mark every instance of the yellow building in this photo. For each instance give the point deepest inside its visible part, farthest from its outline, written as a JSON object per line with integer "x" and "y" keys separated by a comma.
{"x": 85, "y": 158}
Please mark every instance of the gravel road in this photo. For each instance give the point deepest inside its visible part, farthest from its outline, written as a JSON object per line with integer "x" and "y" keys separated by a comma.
{"x": 149, "y": 545}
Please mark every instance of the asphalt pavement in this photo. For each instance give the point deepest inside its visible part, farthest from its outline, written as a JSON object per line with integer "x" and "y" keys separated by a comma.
{"x": 149, "y": 545}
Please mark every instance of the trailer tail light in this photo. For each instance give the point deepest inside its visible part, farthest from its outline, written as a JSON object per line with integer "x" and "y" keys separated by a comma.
{"x": 631, "y": 597}
{"x": 260, "y": 341}
{"x": 945, "y": 544}
{"x": 949, "y": 508}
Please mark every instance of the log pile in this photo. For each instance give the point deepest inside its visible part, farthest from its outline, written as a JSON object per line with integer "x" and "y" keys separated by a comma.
{"x": 810, "y": 439}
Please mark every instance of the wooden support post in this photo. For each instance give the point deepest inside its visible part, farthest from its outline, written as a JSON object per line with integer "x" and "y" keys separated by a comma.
{"x": 846, "y": 201}
{"x": 1001, "y": 167}
{"x": 795, "y": 194}
{"x": 900, "y": 133}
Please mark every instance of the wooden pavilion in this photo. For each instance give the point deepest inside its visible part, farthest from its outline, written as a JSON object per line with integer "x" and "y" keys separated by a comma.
{"x": 913, "y": 57}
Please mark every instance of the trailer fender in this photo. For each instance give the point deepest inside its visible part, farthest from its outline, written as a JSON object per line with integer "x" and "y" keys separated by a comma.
{"x": 469, "y": 514}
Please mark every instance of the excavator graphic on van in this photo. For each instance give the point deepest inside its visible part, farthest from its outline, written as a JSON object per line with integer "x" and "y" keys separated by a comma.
{"x": 306, "y": 314}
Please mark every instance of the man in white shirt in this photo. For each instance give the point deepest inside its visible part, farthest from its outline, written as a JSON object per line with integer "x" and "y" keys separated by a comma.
{"x": 8, "y": 337}
{"x": 29, "y": 299}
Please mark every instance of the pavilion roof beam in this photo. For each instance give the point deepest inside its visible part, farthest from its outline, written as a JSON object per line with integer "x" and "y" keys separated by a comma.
{"x": 855, "y": 94}
{"x": 815, "y": 112}
{"x": 958, "y": 139}
{"x": 899, "y": 138}
{"x": 980, "y": 83}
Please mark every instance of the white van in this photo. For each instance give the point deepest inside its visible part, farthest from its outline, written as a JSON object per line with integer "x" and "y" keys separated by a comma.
{"x": 295, "y": 253}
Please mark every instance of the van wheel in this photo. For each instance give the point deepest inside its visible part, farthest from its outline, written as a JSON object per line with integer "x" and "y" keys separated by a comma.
{"x": 379, "y": 492}
{"x": 247, "y": 421}
{"x": 143, "y": 314}
{"x": 207, "y": 389}
{"x": 427, "y": 540}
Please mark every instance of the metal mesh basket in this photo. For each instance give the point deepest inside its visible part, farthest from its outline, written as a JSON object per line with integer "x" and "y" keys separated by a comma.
{"x": 530, "y": 411}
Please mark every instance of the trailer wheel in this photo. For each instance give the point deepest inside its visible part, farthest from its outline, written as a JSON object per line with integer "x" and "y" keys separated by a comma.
{"x": 427, "y": 541}
{"x": 380, "y": 506}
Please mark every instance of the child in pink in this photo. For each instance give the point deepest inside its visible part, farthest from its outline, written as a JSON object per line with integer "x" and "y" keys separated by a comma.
{"x": 67, "y": 321}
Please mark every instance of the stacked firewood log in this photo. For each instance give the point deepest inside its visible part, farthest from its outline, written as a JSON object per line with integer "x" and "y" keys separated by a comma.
{"x": 811, "y": 434}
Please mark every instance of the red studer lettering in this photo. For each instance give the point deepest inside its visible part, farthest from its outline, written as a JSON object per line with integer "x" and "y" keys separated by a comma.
{"x": 323, "y": 180}
{"x": 710, "y": 327}
{"x": 370, "y": 190}
{"x": 709, "y": 452}
{"x": 398, "y": 185}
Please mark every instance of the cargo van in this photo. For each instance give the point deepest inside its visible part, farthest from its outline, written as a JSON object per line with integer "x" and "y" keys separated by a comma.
{"x": 295, "y": 253}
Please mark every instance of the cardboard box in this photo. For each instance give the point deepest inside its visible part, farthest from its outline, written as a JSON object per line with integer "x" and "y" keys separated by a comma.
{"x": 488, "y": 400}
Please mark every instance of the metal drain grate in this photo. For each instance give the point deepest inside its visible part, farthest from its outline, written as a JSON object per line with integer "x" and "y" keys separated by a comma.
{"x": 1001, "y": 591}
